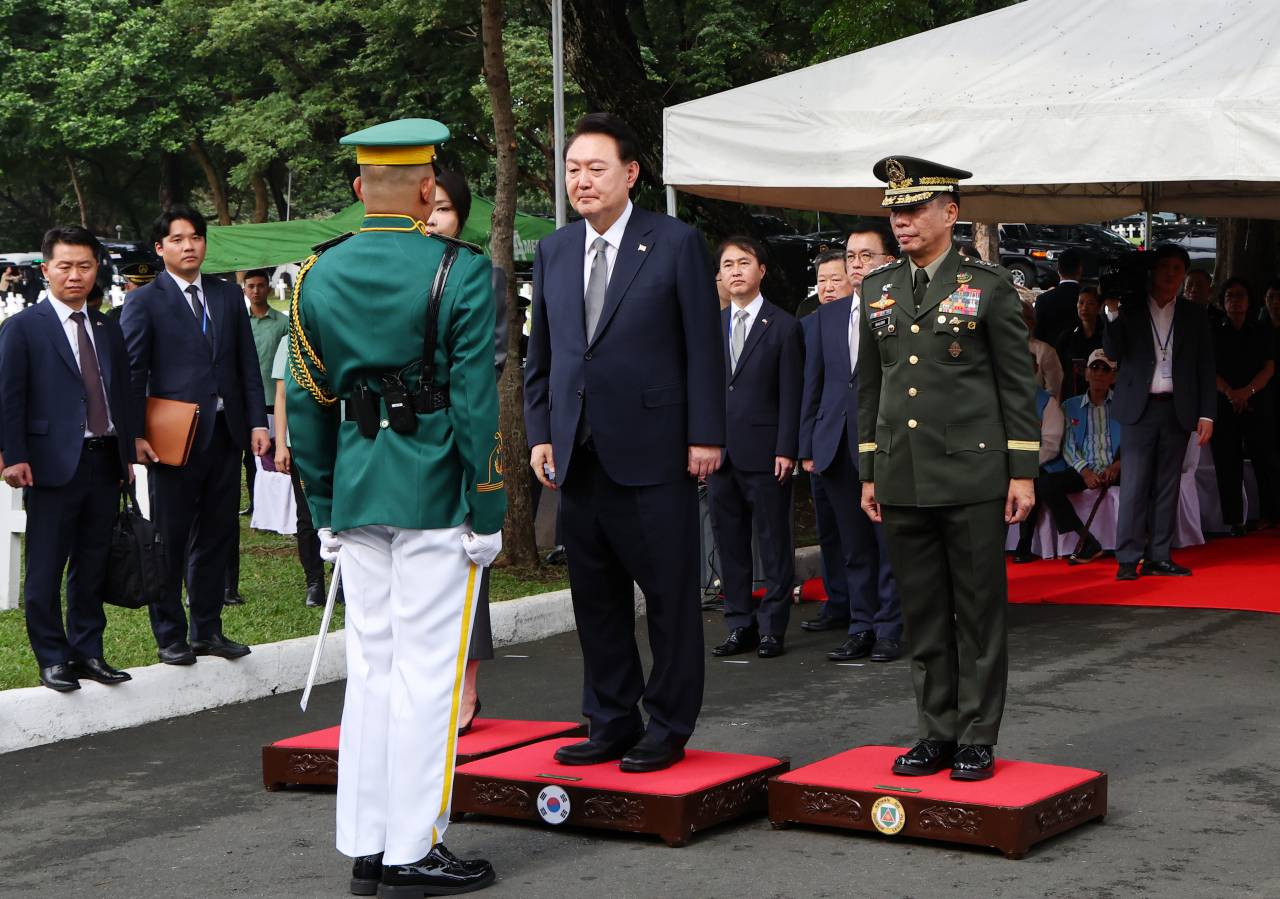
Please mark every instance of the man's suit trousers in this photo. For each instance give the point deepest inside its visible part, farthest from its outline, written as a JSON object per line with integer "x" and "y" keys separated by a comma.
{"x": 1234, "y": 434}
{"x": 950, "y": 566}
{"x": 873, "y": 594}
{"x": 72, "y": 522}
{"x": 834, "y": 580}
{"x": 614, "y": 535}
{"x": 194, "y": 507}
{"x": 410, "y": 600}
{"x": 1154, "y": 447}
{"x": 740, "y": 501}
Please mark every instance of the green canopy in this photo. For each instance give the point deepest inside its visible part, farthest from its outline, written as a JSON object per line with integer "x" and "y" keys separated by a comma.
{"x": 238, "y": 247}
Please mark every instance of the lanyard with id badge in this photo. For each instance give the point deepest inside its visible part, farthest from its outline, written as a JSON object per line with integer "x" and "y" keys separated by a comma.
{"x": 1165, "y": 363}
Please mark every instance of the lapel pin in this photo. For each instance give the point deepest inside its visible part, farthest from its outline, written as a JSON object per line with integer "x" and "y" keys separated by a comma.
{"x": 643, "y": 248}
{"x": 764, "y": 321}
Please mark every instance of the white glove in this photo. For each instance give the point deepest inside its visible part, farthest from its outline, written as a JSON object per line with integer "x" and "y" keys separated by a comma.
{"x": 482, "y": 549}
{"x": 329, "y": 545}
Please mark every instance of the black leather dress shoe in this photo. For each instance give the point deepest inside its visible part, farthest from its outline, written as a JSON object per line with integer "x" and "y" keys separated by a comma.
{"x": 1023, "y": 556}
{"x": 825, "y": 623}
{"x": 247, "y": 511}
{"x": 856, "y": 647}
{"x": 886, "y": 650}
{"x": 741, "y": 639}
{"x": 1091, "y": 551}
{"x": 1237, "y": 530}
{"x": 315, "y": 596}
{"x": 177, "y": 654}
{"x": 926, "y": 757}
{"x": 1165, "y": 568}
{"x": 770, "y": 647}
{"x": 366, "y": 871}
{"x": 974, "y": 761}
{"x": 441, "y": 873}
{"x": 232, "y": 598}
{"x": 596, "y": 752}
{"x": 1128, "y": 571}
{"x": 218, "y": 645}
{"x": 60, "y": 678}
{"x": 100, "y": 671}
{"x": 650, "y": 754}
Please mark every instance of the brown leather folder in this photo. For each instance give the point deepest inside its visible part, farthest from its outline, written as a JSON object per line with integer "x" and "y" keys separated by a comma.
{"x": 171, "y": 428}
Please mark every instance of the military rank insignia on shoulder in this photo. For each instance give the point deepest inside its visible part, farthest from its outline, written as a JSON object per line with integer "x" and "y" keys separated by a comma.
{"x": 973, "y": 260}
{"x": 890, "y": 264}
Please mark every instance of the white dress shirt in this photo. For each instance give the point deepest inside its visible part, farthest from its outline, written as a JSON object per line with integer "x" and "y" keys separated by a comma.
{"x": 853, "y": 332}
{"x": 72, "y": 330}
{"x": 1162, "y": 319}
{"x": 752, "y": 309}
{"x": 182, "y": 286}
{"x": 613, "y": 237}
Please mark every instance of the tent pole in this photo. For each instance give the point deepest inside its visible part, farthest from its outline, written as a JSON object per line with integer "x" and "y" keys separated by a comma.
{"x": 557, "y": 69}
{"x": 671, "y": 202}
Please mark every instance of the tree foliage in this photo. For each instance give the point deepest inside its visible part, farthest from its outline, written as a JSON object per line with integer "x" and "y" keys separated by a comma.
{"x": 852, "y": 25}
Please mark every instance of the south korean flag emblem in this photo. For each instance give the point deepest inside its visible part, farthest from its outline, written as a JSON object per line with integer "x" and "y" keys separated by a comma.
{"x": 553, "y": 805}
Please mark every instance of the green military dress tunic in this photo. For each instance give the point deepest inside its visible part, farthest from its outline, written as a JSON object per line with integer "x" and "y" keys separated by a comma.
{"x": 451, "y": 467}
{"x": 946, "y": 416}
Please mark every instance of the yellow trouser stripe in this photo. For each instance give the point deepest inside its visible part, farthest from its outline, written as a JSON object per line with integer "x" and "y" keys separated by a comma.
{"x": 451, "y": 748}
{"x": 1031, "y": 446}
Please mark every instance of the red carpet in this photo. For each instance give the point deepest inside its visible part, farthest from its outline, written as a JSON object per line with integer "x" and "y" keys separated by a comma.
{"x": 699, "y": 770}
{"x": 487, "y": 735}
{"x": 869, "y": 768}
{"x": 1241, "y": 574}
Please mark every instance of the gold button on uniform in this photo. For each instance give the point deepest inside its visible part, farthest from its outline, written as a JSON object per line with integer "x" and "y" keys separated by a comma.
{"x": 942, "y": 319}
{"x": 915, "y": 329}
{"x": 914, "y": 359}
{"x": 911, "y": 423}
{"x": 982, "y": 446}
{"x": 912, "y": 391}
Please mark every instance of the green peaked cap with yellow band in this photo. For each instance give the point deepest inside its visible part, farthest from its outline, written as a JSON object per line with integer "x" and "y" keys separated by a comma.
{"x": 403, "y": 142}
{"x": 913, "y": 181}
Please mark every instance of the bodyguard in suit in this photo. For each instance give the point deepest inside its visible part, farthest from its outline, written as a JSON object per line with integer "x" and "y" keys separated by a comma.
{"x": 64, "y": 386}
{"x": 1165, "y": 390}
{"x": 624, "y": 405}
{"x": 764, "y": 366}
{"x": 828, "y": 446}
{"x": 1056, "y": 308}
{"x": 190, "y": 340}
{"x": 948, "y": 447}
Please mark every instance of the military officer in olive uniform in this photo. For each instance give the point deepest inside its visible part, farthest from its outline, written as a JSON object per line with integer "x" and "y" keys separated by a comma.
{"x": 948, "y": 447}
{"x": 404, "y": 482}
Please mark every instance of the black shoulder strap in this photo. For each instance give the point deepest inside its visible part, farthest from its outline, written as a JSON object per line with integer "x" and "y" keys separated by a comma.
{"x": 331, "y": 242}
{"x": 456, "y": 243}
{"x": 433, "y": 316}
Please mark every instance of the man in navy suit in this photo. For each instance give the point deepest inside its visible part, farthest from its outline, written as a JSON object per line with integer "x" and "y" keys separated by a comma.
{"x": 624, "y": 405}
{"x": 764, "y": 365}
{"x": 828, "y": 448}
{"x": 64, "y": 387}
{"x": 1165, "y": 390}
{"x": 1056, "y": 307}
{"x": 190, "y": 339}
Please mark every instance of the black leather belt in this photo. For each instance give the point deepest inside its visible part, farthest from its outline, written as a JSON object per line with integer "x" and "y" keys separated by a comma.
{"x": 1162, "y": 397}
{"x": 99, "y": 444}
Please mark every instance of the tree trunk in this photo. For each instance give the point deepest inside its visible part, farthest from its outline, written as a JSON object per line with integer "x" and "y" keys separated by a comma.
{"x": 215, "y": 182}
{"x": 518, "y": 535}
{"x": 1247, "y": 248}
{"x": 171, "y": 191}
{"x": 603, "y": 56}
{"x": 278, "y": 180}
{"x": 986, "y": 239}
{"x": 259, "y": 198}
{"x": 75, "y": 182}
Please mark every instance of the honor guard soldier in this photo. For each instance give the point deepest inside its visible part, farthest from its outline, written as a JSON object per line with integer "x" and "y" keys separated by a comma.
{"x": 393, "y": 413}
{"x": 948, "y": 447}
{"x": 135, "y": 275}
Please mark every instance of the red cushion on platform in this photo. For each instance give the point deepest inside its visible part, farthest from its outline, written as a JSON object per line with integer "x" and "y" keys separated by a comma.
{"x": 486, "y": 735}
{"x": 698, "y": 771}
{"x": 1014, "y": 785}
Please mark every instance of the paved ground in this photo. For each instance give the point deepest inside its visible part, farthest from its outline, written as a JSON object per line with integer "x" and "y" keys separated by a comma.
{"x": 1180, "y": 707}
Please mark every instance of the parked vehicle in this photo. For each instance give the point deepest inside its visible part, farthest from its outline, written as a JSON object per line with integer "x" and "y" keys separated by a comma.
{"x": 1030, "y": 252}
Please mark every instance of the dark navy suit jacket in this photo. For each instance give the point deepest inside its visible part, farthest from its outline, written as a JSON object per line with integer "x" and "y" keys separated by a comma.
{"x": 43, "y": 394}
{"x": 763, "y": 396}
{"x": 830, "y": 406}
{"x": 1129, "y": 341}
{"x": 652, "y": 380}
{"x": 1056, "y": 312}
{"x": 171, "y": 358}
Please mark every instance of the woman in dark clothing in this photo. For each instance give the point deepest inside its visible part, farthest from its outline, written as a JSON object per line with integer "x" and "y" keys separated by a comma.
{"x": 1076, "y": 344}
{"x": 449, "y": 214}
{"x": 1244, "y": 354}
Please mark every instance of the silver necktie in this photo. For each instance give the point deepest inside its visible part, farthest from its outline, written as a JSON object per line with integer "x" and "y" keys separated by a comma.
{"x": 596, "y": 285}
{"x": 738, "y": 338}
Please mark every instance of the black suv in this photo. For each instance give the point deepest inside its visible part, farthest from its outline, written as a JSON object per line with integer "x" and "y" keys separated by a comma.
{"x": 1030, "y": 252}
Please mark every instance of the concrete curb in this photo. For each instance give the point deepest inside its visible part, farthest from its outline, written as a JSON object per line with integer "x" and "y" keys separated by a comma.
{"x": 35, "y": 715}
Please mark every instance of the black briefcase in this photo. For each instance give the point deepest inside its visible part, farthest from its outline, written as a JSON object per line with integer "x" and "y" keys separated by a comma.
{"x": 135, "y": 570}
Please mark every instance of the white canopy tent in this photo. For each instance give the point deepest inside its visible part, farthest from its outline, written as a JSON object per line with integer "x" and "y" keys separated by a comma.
{"x": 1064, "y": 110}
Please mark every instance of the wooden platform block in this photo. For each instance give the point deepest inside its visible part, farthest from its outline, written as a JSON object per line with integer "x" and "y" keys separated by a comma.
{"x": 1022, "y": 804}
{"x": 705, "y": 789}
{"x": 313, "y": 758}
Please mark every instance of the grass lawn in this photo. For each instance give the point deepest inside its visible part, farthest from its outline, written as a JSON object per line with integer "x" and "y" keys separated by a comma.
{"x": 273, "y": 587}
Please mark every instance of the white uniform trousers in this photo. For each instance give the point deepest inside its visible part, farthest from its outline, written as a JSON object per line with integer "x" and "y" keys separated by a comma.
{"x": 410, "y": 596}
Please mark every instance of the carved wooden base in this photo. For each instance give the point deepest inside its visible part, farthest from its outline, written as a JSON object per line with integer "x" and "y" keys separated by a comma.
{"x": 1010, "y": 817}
{"x": 315, "y": 761}
{"x": 672, "y": 804}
